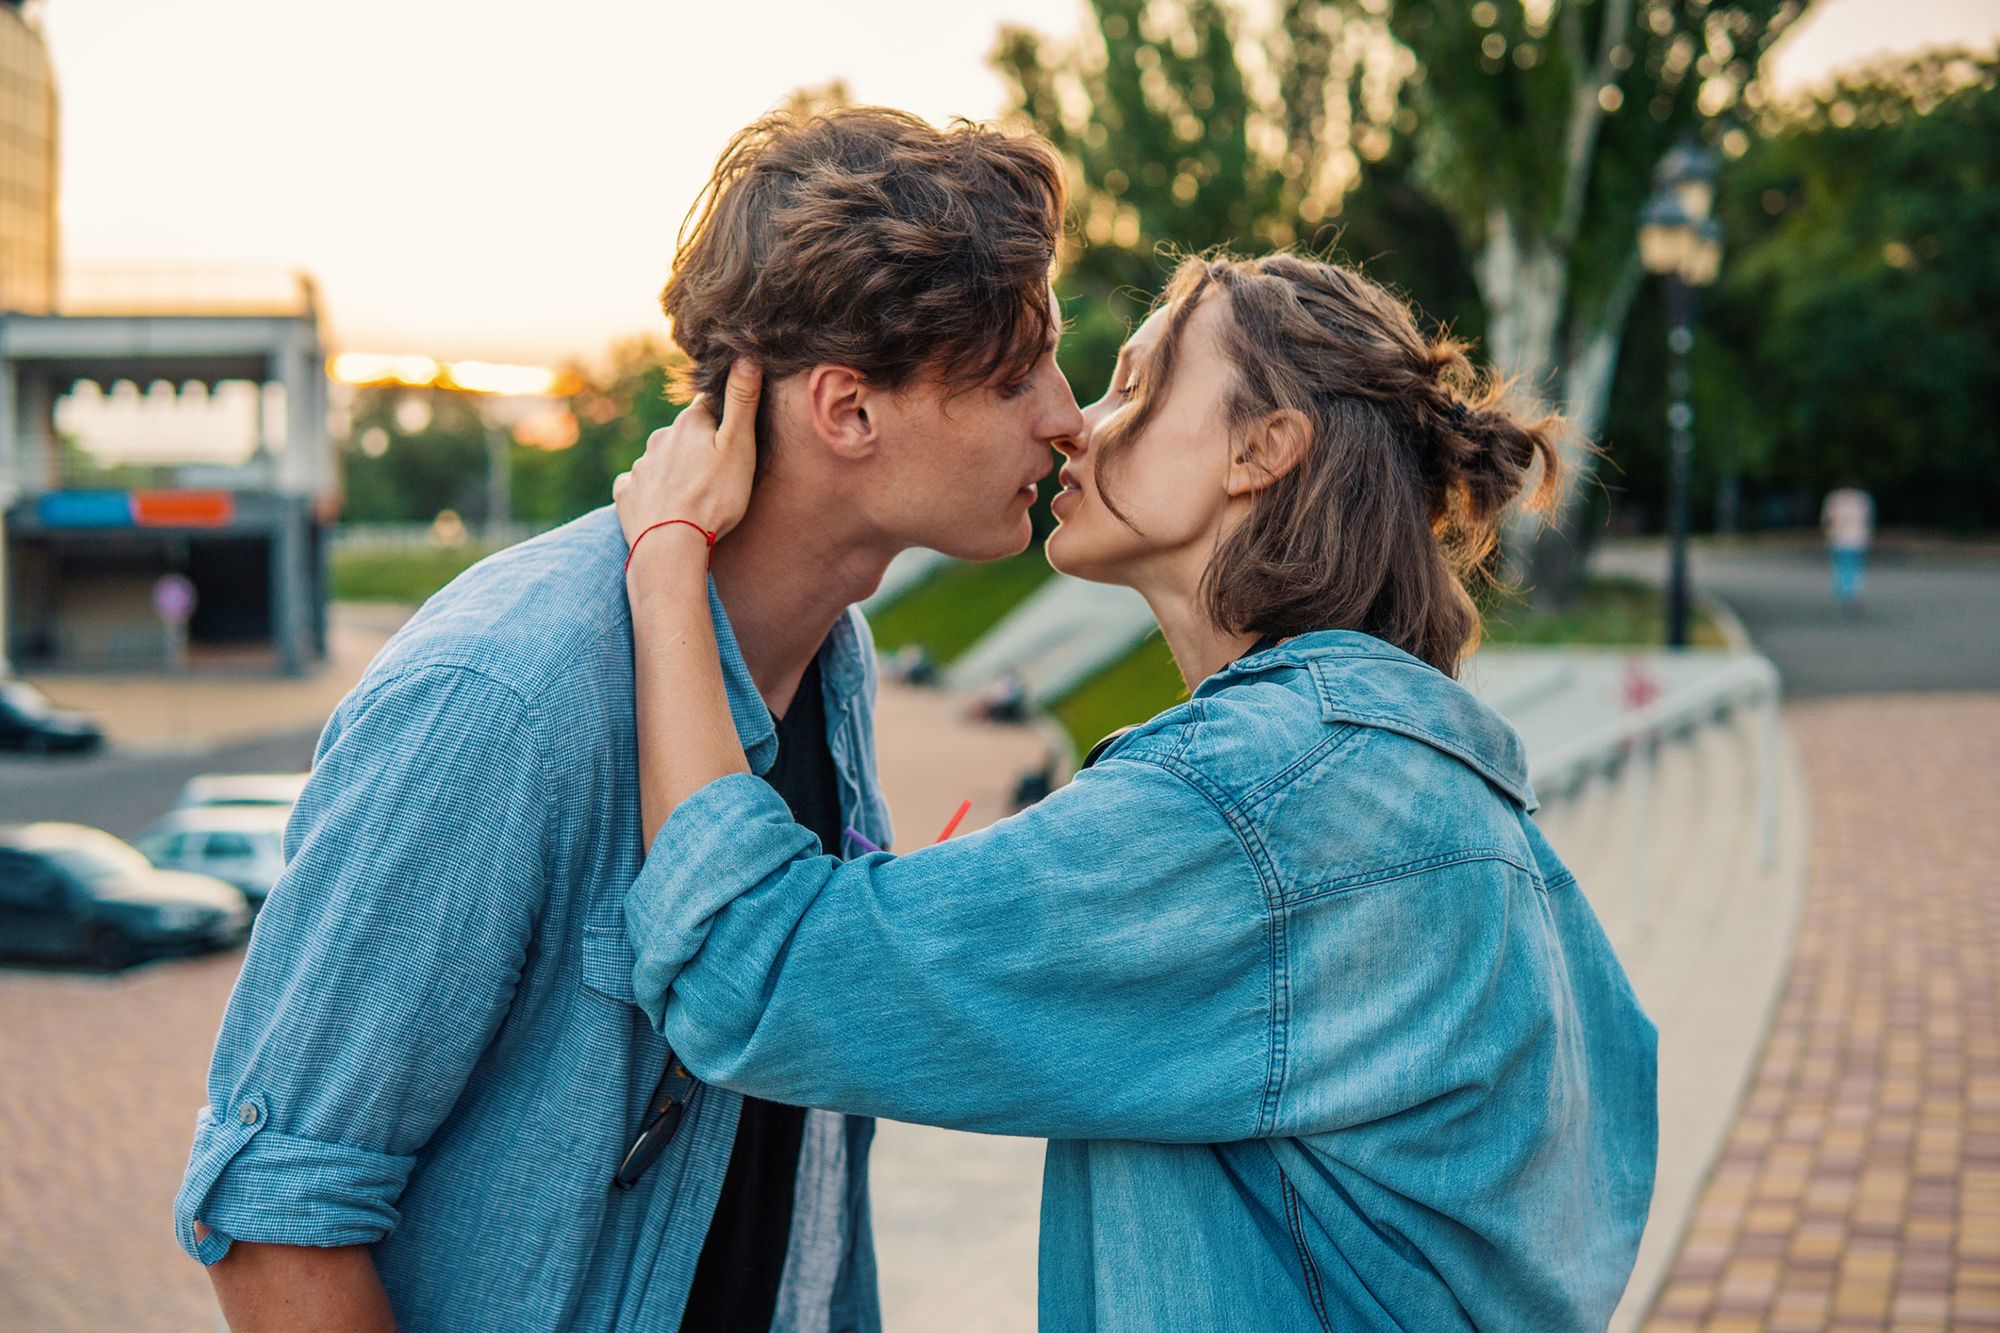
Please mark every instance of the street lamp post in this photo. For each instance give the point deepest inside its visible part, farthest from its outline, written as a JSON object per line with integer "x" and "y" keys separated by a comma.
{"x": 1680, "y": 242}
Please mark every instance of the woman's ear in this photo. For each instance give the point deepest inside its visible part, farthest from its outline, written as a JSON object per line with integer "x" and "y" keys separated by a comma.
{"x": 840, "y": 404}
{"x": 1270, "y": 448}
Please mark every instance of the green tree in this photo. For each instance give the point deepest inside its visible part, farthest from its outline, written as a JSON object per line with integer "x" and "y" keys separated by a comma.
{"x": 1857, "y": 328}
{"x": 615, "y": 411}
{"x": 1176, "y": 143}
{"x": 1529, "y": 127}
{"x": 411, "y": 453}
{"x": 1853, "y": 331}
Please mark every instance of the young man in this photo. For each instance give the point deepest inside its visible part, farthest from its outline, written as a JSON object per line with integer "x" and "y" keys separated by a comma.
{"x": 432, "y": 1066}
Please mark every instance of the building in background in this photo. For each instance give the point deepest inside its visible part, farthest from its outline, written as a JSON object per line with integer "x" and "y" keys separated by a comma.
{"x": 28, "y": 159}
{"x": 99, "y": 551}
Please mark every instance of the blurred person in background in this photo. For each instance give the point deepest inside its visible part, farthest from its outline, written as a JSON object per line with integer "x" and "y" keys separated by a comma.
{"x": 1847, "y": 518}
{"x": 1321, "y": 1031}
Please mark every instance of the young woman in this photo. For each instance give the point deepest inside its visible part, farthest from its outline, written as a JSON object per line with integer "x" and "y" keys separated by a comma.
{"x": 1322, "y": 1033}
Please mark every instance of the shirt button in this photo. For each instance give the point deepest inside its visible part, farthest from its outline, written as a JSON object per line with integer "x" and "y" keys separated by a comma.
{"x": 247, "y": 1113}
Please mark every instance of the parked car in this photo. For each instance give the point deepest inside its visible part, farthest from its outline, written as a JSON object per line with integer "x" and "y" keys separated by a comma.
{"x": 28, "y": 721}
{"x": 242, "y": 844}
{"x": 67, "y": 891}
{"x": 242, "y": 789}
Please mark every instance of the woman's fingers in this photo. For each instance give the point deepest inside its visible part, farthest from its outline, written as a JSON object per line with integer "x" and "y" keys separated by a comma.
{"x": 697, "y": 468}
{"x": 738, "y": 430}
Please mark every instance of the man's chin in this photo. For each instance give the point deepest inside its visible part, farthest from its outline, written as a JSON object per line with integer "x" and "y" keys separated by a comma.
{"x": 995, "y": 544}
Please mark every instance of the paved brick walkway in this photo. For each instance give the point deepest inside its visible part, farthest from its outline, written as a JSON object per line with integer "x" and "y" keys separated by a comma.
{"x": 1861, "y": 1186}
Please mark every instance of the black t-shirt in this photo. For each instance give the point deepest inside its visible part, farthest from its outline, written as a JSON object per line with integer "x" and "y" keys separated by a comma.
{"x": 742, "y": 1261}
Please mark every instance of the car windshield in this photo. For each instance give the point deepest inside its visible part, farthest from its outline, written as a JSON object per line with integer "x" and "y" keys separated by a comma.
{"x": 23, "y": 699}
{"x": 95, "y": 864}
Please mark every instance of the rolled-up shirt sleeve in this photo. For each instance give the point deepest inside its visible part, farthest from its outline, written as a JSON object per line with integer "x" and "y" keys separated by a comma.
{"x": 381, "y": 965}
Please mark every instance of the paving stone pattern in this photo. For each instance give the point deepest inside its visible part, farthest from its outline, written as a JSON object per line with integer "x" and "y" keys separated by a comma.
{"x": 1861, "y": 1185}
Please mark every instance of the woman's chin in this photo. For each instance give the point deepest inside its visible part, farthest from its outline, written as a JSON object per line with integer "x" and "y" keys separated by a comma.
{"x": 1067, "y": 555}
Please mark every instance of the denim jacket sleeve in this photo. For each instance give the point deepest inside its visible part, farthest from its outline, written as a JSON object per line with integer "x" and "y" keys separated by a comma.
{"x": 1040, "y": 977}
{"x": 380, "y": 967}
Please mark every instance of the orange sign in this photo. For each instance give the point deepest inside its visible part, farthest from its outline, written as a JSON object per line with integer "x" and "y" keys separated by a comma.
{"x": 183, "y": 509}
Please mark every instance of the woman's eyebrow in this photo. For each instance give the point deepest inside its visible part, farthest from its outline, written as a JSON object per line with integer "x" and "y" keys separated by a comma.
{"x": 1130, "y": 357}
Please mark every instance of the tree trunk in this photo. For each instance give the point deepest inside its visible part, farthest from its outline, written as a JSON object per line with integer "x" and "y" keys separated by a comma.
{"x": 1554, "y": 553}
{"x": 1521, "y": 282}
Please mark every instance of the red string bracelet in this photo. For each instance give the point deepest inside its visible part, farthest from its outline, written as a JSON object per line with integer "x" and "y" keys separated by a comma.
{"x": 668, "y": 523}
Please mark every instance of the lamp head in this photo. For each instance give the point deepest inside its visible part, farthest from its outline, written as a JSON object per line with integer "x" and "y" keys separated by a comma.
{"x": 1688, "y": 172}
{"x": 1665, "y": 232}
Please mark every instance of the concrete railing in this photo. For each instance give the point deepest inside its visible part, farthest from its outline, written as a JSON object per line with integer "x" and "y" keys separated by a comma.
{"x": 1629, "y": 750}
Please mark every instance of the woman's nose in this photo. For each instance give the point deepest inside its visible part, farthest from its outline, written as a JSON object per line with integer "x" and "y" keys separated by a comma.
{"x": 1069, "y": 446}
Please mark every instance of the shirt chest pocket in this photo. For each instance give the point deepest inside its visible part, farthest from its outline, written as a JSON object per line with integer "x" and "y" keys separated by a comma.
{"x": 607, "y": 962}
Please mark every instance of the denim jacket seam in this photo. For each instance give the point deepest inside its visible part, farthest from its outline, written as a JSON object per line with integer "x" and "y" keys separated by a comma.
{"x": 1398, "y": 722}
{"x": 1321, "y": 750}
{"x": 1196, "y": 715}
{"x": 1389, "y": 874}
{"x": 1274, "y": 918}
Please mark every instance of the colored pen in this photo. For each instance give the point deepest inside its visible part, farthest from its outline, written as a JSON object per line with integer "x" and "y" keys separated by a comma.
{"x": 952, "y": 827}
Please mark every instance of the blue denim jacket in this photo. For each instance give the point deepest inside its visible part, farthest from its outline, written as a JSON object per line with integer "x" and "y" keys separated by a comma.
{"x": 1323, "y": 1034}
{"x": 433, "y": 1047}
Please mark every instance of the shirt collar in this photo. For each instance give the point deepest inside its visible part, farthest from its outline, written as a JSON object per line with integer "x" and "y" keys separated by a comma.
{"x": 843, "y": 661}
{"x": 754, "y": 726}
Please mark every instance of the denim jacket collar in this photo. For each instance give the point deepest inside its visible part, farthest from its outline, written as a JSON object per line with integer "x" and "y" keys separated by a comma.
{"x": 1362, "y": 679}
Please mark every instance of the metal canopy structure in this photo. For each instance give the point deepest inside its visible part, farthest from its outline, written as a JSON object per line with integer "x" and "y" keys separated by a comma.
{"x": 82, "y": 559}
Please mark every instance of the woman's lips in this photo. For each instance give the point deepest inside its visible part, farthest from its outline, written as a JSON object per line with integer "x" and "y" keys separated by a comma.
{"x": 1071, "y": 492}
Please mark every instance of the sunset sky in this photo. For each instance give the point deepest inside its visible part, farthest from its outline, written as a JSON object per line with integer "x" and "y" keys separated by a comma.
{"x": 484, "y": 178}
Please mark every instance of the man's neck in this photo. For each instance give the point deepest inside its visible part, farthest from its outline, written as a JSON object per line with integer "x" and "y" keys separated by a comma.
{"x": 785, "y": 574}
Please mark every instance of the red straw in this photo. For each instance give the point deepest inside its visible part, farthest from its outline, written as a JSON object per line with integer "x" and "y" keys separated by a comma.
{"x": 952, "y": 827}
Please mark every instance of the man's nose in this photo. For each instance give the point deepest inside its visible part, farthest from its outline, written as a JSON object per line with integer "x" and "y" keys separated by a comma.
{"x": 1066, "y": 418}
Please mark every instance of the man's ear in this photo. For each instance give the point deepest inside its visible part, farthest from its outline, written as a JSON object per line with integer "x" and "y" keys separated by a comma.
{"x": 843, "y": 409}
{"x": 1270, "y": 448}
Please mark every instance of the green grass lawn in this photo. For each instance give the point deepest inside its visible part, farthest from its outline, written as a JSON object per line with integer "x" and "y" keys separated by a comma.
{"x": 1143, "y": 682}
{"x": 949, "y": 611}
{"x": 400, "y": 575}
{"x": 1617, "y": 612}
{"x": 1622, "y": 613}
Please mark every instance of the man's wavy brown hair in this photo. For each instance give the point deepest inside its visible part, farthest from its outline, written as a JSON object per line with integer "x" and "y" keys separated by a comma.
{"x": 865, "y": 237}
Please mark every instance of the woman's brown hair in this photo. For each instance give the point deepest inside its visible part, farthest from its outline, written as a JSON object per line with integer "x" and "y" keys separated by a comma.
{"x": 867, "y": 238}
{"x": 1414, "y": 457}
